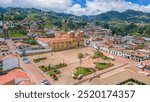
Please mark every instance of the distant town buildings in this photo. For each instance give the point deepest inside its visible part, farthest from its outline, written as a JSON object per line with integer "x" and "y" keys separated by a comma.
{"x": 128, "y": 46}
{"x": 96, "y": 33}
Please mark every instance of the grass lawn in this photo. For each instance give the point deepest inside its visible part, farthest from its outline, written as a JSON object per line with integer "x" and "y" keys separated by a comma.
{"x": 83, "y": 71}
{"x": 1, "y": 36}
{"x": 17, "y": 35}
{"x": 101, "y": 66}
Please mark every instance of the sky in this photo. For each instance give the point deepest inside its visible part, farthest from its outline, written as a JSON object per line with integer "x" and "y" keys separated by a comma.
{"x": 80, "y": 7}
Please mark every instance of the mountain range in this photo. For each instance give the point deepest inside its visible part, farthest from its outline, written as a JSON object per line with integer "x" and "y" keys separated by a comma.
{"x": 129, "y": 15}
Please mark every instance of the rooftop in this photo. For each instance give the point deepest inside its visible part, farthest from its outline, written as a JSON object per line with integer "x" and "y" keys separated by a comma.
{"x": 26, "y": 82}
{"x": 121, "y": 77}
{"x": 12, "y": 76}
{"x": 8, "y": 56}
{"x": 54, "y": 40}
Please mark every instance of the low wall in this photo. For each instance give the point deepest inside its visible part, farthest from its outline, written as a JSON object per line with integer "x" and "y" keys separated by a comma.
{"x": 34, "y": 52}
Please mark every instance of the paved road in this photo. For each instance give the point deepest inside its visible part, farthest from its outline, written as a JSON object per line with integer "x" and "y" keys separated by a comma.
{"x": 11, "y": 45}
{"x": 35, "y": 75}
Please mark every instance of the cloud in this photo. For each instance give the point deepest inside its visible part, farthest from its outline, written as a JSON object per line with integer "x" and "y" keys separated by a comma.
{"x": 5, "y": 3}
{"x": 56, "y": 5}
{"x": 92, "y": 7}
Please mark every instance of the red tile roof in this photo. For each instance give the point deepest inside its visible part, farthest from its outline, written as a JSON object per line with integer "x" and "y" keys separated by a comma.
{"x": 12, "y": 76}
{"x": 6, "y": 79}
{"x": 54, "y": 40}
{"x": 26, "y": 82}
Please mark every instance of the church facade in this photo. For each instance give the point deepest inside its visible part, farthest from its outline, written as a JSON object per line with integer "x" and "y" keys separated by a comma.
{"x": 63, "y": 41}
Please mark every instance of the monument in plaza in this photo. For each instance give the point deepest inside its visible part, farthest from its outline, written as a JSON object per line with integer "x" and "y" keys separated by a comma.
{"x": 5, "y": 31}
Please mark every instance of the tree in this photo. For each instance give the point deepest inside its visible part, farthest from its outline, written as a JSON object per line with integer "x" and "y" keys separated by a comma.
{"x": 80, "y": 56}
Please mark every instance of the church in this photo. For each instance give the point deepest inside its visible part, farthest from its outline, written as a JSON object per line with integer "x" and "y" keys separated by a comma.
{"x": 63, "y": 41}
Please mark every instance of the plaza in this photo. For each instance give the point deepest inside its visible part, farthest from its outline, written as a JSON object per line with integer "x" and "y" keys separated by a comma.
{"x": 70, "y": 58}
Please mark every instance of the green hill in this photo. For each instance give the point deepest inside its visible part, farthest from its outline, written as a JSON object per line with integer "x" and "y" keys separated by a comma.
{"x": 129, "y": 15}
{"x": 122, "y": 23}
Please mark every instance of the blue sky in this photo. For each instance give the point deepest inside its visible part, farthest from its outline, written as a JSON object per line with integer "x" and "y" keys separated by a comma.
{"x": 80, "y": 7}
{"x": 81, "y": 2}
{"x": 141, "y": 2}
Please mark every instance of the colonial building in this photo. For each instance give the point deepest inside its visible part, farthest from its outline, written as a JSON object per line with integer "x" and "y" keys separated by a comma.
{"x": 130, "y": 54}
{"x": 63, "y": 41}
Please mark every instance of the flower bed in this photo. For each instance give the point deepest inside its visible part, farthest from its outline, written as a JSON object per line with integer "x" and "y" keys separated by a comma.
{"x": 53, "y": 74}
{"x": 39, "y": 59}
{"x": 101, "y": 66}
{"x": 61, "y": 65}
{"x": 50, "y": 67}
{"x": 46, "y": 68}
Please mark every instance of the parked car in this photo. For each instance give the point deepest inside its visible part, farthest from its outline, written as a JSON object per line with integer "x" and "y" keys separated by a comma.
{"x": 26, "y": 60}
{"x": 45, "y": 82}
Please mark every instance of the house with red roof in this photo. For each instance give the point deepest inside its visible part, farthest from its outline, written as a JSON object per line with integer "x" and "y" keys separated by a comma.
{"x": 15, "y": 78}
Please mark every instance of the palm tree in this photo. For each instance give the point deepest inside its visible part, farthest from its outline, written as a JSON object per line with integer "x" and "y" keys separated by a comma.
{"x": 80, "y": 56}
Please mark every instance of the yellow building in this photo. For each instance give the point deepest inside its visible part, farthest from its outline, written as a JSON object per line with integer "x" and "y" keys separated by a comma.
{"x": 63, "y": 41}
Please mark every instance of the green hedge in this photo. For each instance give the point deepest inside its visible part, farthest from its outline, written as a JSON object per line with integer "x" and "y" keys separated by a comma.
{"x": 61, "y": 65}
{"x": 39, "y": 59}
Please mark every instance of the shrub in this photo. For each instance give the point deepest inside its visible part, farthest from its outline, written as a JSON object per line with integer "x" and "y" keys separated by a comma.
{"x": 53, "y": 74}
{"x": 46, "y": 68}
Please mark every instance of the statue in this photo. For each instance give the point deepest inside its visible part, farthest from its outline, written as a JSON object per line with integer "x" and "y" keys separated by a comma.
{"x": 5, "y": 31}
